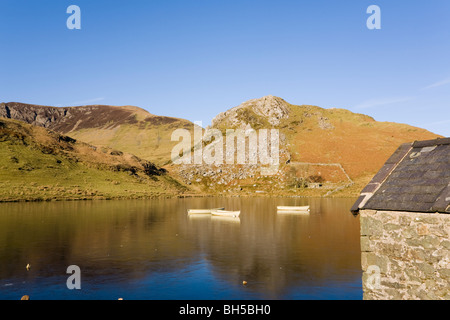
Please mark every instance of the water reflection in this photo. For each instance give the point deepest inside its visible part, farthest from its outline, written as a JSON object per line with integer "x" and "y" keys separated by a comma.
{"x": 154, "y": 250}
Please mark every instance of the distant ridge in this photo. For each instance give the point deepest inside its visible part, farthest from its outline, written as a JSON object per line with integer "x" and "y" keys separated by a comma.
{"x": 66, "y": 119}
{"x": 126, "y": 128}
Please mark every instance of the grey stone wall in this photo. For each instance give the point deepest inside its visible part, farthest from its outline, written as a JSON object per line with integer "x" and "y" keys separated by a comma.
{"x": 405, "y": 255}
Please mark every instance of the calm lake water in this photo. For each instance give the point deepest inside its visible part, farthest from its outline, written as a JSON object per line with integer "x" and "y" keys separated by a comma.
{"x": 151, "y": 249}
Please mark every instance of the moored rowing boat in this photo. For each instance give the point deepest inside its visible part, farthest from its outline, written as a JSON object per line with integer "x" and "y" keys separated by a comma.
{"x": 203, "y": 211}
{"x": 224, "y": 213}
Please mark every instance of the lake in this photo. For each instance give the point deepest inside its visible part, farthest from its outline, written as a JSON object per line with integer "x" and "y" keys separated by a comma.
{"x": 151, "y": 249}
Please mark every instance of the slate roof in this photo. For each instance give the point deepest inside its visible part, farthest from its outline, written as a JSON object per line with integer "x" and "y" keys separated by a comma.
{"x": 415, "y": 178}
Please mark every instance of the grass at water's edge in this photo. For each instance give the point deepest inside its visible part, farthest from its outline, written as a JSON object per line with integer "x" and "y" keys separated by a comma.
{"x": 54, "y": 194}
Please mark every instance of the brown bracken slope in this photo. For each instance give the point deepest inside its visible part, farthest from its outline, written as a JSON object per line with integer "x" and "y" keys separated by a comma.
{"x": 314, "y": 135}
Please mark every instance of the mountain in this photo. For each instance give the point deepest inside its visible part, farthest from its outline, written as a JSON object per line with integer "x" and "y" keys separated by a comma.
{"x": 126, "y": 128}
{"x": 40, "y": 164}
{"x": 321, "y": 151}
{"x": 266, "y": 112}
{"x": 319, "y": 135}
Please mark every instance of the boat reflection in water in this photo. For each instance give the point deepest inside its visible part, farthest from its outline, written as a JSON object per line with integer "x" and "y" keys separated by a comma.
{"x": 226, "y": 219}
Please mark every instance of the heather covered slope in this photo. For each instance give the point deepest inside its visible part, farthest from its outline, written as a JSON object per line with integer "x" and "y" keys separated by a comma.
{"x": 39, "y": 164}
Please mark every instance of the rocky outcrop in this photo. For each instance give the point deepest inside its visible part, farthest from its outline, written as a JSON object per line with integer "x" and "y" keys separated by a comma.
{"x": 249, "y": 172}
{"x": 267, "y": 110}
{"x": 67, "y": 119}
{"x": 35, "y": 115}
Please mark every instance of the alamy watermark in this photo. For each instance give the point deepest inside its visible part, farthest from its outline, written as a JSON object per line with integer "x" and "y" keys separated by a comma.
{"x": 374, "y": 21}
{"x": 74, "y": 281}
{"x": 241, "y": 146}
{"x": 373, "y": 281}
{"x": 74, "y": 20}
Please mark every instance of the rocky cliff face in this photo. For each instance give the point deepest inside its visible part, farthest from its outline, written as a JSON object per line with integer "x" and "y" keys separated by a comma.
{"x": 268, "y": 110}
{"x": 252, "y": 175}
{"x": 68, "y": 119}
{"x": 36, "y": 115}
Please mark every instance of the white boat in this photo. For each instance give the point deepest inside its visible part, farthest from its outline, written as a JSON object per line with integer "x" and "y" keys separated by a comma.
{"x": 286, "y": 208}
{"x": 234, "y": 214}
{"x": 203, "y": 211}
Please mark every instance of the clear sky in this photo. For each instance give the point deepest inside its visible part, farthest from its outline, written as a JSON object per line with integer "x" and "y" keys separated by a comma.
{"x": 195, "y": 58}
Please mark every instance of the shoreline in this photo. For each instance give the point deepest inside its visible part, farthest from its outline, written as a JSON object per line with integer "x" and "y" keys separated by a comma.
{"x": 182, "y": 196}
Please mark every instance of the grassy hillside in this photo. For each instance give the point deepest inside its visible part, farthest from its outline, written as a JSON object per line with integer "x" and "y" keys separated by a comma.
{"x": 356, "y": 141}
{"x": 38, "y": 164}
{"x": 335, "y": 149}
{"x": 126, "y": 128}
{"x": 149, "y": 139}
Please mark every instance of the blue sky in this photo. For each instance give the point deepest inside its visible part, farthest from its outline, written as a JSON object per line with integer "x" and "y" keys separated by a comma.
{"x": 193, "y": 59}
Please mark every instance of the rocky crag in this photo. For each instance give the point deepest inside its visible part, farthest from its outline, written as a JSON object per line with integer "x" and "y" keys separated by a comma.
{"x": 321, "y": 151}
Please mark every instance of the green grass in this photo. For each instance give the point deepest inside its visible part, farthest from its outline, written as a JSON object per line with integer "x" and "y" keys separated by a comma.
{"x": 147, "y": 141}
{"x": 28, "y": 174}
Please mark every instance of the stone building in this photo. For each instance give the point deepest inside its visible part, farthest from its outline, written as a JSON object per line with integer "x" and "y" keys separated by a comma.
{"x": 405, "y": 224}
